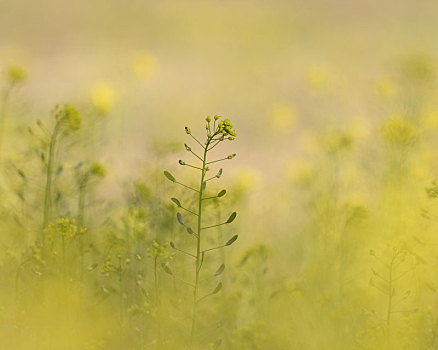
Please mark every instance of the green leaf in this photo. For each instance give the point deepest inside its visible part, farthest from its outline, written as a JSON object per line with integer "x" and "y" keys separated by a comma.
{"x": 220, "y": 270}
{"x": 221, "y": 193}
{"x": 176, "y": 201}
{"x": 231, "y": 218}
{"x": 232, "y": 240}
{"x": 169, "y": 176}
{"x": 217, "y": 289}
{"x": 167, "y": 269}
{"x": 180, "y": 218}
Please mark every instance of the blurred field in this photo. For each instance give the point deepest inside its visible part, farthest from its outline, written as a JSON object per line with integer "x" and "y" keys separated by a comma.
{"x": 335, "y": 107}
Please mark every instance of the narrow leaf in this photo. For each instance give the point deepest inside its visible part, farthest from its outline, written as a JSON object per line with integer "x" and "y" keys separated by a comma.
{"x": 180, "y": 218}
{"x": 231, "y": 218}
{"x": 169, "y": 176}
{"x": 232, "y": 240}
{"x": 176, "y": 201}
{"x": 221, "y": 193}
{"x": 220, "y": 270}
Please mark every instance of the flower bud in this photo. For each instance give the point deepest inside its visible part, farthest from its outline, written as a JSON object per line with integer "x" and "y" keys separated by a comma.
{"x": 188, "y": 131}
{"x": 181, "y": 162}
{"x": 208, "y": 119}
{"x": 187, "y": 147}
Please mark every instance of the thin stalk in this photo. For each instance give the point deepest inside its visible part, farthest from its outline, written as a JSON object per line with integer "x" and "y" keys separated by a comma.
{"x": 390, "y": 286}
{"x": 120, "y": 302}
{"x": 198, "y": 244}
{"x": 63, "y": 258}
{"x": 49, "y": 180}
{"x": 81, "y": 218}
{"x": 217, "y": 160}
{"x": 158, "y": 304}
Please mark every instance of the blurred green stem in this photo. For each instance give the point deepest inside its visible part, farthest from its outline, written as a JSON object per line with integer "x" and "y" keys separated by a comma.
{"x": 49, "y": 179}
{"x": 3, "y": 112}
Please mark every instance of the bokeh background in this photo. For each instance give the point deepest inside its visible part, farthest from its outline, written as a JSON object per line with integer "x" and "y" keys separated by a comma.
{"x": 335, "y": 106}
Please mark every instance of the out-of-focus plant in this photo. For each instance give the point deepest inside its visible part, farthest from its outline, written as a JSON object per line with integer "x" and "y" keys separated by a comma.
{"x": 15, "y": 75}
{"x": 67, "y": 120}
{"x": 385, "y": 279}
{"x": 216, "y": 132}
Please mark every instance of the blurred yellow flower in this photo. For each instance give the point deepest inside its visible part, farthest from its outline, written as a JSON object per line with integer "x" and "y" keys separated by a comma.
{"x": 282, "y": 117}
{"x": 386, "y": 88}
{"x": 399, "y": 131}
{"x": 430, "y": 119}
{"x": 299, "y": 171}
{"x": 144, "y": 65}
{"x": 318, "y": 77}
{"x": 16, "y": 74}
{"x": 103, "y": 97}
{"x": 308, "y": 142}
{"x": 246, "y": 180}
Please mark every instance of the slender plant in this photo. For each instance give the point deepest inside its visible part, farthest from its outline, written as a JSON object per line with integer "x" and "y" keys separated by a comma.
{"x": 386, "y": 282}
{"x": 216, "y": 132}
{"x": 67, "y": 119}
{"x": 15, "y": 76}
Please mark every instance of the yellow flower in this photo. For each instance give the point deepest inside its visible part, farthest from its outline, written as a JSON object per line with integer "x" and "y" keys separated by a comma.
{"x": 386, "y": 88}
{"x": 16, "y": 74}
{"x": 282, "y": 117}
{"x": 144, "y": 65}
{"x": 103, "y": 97}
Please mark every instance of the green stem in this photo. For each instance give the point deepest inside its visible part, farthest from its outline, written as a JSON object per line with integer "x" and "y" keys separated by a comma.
{"x": 198, "y": 242}
{"x": 81, "y": 218}
{"x": 120, "y": 302}
{"x": 49, "y": 180}
{"x": 388, "y": 316}
{"x": 158, "y": 304}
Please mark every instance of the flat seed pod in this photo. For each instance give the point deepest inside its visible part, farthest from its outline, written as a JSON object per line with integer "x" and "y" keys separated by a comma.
{"x": 231, "y": 218}
{"x": 189, "y": 230}
{"x": 220, "y": 270}
{"x": 232, "y": 240}
{"x": 217, "y": 289}
{"x": 180, "y": 218}
{"x": 176, "y": 201}
{"x": 169, "y": 176}
{"x": 221, "y": 193}
{"x": 172, "y": 245}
